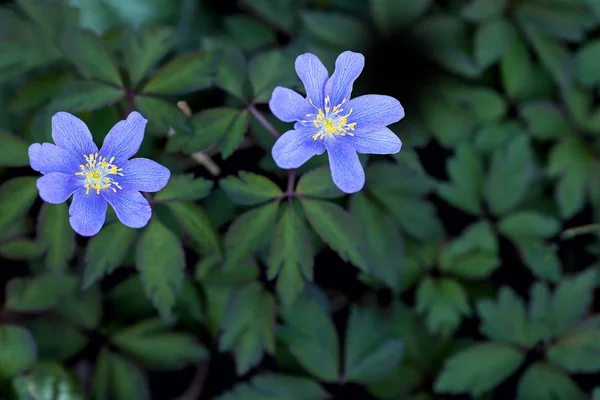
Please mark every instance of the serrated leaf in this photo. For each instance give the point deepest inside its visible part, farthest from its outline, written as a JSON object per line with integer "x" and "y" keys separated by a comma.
{"x": 522, "y": 225}
{"x": 510, "y": 176}
{"x": 465, "y": 170}
{"x": 90, "y": 56}
{"x": 318, "y": 183}
{"x": 337, "y": 228}
{"x": 13, "y": 152}
{"x": 185, "y": 188}
{"x": 224, "y": 125}
{"x": 56, "y": 347}
{"x": 545, "y": 120}
{"x": 577, "y": 351}
{"x": 336, "y": 29}
{"x": 372, "y": 352}
{"x": 481, "y": 10}
{"x": 188, "y": 73}
{"x": 161, "y": 263}
{"x": 493, "y": 39}
{"x": 478, "y": 369}
{"x": 231, "y": 74}
{"x": 281, "y": 13}
{"x": 143, "y": 49}
{"x": 310, "y": 336}
{"x": 162, "y": 116}
{"x": 542, "y": 381}
{"x": 248, "y": 326}
{"x": 18, "y": 350}
{"x": 39, "y": 293}
{"x": 516, "y": 70}
{"x": 78, "y": 96}
{"x": 291, "y": 257}
{"x": 20, "y": 249}
{"x": 128, "y": 380}
{"x": 443, "y": 302}
{"x": 195, "y": 221}
{"x": 272, "y": 386}
{"x": 265, "y": 71}
{"x": 158, "y": 348}
{"x": 540, "y": 258}
{"x": 449, "y": 122}
{"x": 248, "y": 32}
{"x": 106, "y": 251}
{"x": 249, "y": 231}
{"x": 390, "y": 15}
{"x": 250, "y": 189}
{"x": 572, "y": 299}
{"x": 56, "y": 236}
{"x": 47, "y": 380}
{"x": 384, "y": 246}
{"x": 101, "y": 380}
{"x": 505, "y": 320}
{"x": 16, "y": 196}
{"x": 83, "y": 309}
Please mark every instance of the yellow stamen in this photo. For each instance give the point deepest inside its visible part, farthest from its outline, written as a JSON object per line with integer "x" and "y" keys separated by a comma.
{"x": 97, "y": 171}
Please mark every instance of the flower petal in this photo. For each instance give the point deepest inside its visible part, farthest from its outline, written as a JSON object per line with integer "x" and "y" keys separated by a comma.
{"x": 346, "y": 170}
{"x": 56, "y": 187}
{"x": 348, "y": 67}
{"x": 48, "y": 157}
{"x": 72, "y": 134}
{"x": 88, "y": 212}
{"x": 288, "y": 105}
{"x": 131, "y": 207}
{"x": 313, "y": 75}
{"x": 124, "y": 139}
{"x": 144, "y": 175}
{"x": 381, "y": 141}
{"x": 296, "y": 147}
{"x": 374, "y": 111}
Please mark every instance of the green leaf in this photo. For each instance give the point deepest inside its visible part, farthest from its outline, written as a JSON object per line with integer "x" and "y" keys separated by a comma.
{"x": 271, "y": 386}
{"x": 478, "y": 369}
{"x": 449, "y": 122}
{"x": 161, "y": 263}
{"x": 336, "y": 29}
{"x": 384, "y": 246}
{"x": 16, "y": 197}
{"x": 156, "y": 347}
{"x": 250, "y": 189}
{"x": 485, "y": 104}
{"x": 266, "y": 70}
{"x": 572, "y": 300}
{"x": 162, "y": 116}
{"x": 101, "y": 380}
{"x": 247, "y": 32}
{"x": 47, "y": 380}
{"x": 249, "y": 231}
{"x": 510, "y": 176}
{"x": 281, "y": 13}
{"x": 195, "y": 221}
{"x": 481, "y": 10}
{"x": 79, "y": 96}
{"x": 90, "y": 56}
{"x": 493, "y": 39}
{"x": 318, "y": 183}
{"x": 337, "y": 227}
{"x": 210, "y": 126}
{"x": 545, "y": 120}
{"x": 128, "y": 380}
{"x": 82, "y": 309}
{"x": 443, "y": 302}
{"x": 13, "y": 152}
{"x": 577, "y": 351}
{"x": 18, "y": 350}
{"x": 248, "y": 326}
{"x": 372, "y": 352}
{"x": 39, "y": 293}
{"x": 106, "y": 251}
{"x": 20, "y": 249}
{"x": 516, "y": 70}
{"x": 390, "y": 15}
{"x": 185, "y": 188}
{"x": 143, "y": 49}
{"x": 56, "y": 347}
{"x": 505, "y": 320}
{"x": 56, "y": 236}
{"x": 542, "y": 381}
{"x": 231, "y": 74}
{"x": 540, "y": 258}
{"x": 491, "y": 138}
{"x": 523, "y": 225}
{"x": 291, "y": 258}
{"x": 465, "y": 170}
{"x": 310, "y": 336}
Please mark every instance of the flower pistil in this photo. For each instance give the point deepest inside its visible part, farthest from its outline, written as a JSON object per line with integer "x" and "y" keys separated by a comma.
{"x": 96, "y": 172}
{"x": 331, "y": 121}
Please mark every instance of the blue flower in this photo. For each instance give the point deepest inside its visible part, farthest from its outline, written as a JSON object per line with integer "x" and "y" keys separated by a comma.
{"x": 328, "y": 120}
{"x": 74, "y": 166}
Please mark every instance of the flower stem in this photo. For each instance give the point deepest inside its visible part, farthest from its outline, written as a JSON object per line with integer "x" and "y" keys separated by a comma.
{"x": 290, "y": 186}
{"x": 263, "y": 121}
{"x": 129, "y": 103}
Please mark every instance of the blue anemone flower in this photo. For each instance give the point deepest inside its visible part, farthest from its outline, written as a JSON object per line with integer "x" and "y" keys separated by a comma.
{"x": 74, "y": 166}
{"x": 328, "y": 120}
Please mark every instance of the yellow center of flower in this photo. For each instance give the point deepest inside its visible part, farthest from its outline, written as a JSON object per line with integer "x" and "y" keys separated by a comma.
{"x": 97, "y": 171}
{"x": 331, "y": 121}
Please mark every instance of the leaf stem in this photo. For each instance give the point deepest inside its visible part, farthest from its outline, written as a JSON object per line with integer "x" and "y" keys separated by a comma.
{"x": 290, "y": 185}
{"x": 263, "y": 121}
{"x": 129, "y": 103}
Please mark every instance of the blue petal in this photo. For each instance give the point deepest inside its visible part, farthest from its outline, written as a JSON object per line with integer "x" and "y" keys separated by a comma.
{"x": 124, "y": 139}
{"x": 348, "y": 67}
{"x": 381, "y": 141}
{"x": 88, "y": 212}
{"x": 346, "y": 170}
{"x": 288, "y": 105}
{"x": 56, "y": 187}
{"x": 296, "y": 147}
{"x": 374, "y": 111}
{"x": 47, "y": 157}
{"x": 144, "y": 175}
{"x": 313, "y": 75}
{"x": 72, "y": 134}
{"x": 131, "y": 207}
